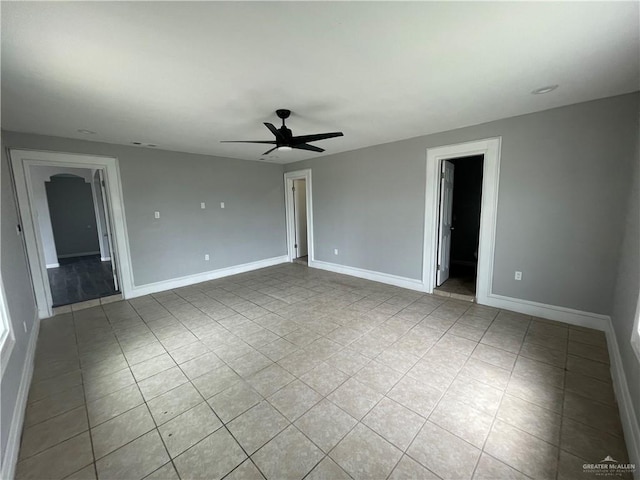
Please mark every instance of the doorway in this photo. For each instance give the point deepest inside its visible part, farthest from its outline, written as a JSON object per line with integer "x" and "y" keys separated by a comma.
{"x": 459, "y": 225}
{"x": 447, "y": 255}
{"x": 90, "y": 232}
{"x": 300, "y": 221}
{"x": 78, "y": 218}
{"x": 299, "y": 216}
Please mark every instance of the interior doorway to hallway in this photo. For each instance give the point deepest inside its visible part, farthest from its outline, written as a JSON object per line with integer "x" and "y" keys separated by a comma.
{"x": 299, "y": 216}
{"x": 300, "y": 220}
{"x": 73, "y": 219}
{"x": 89, "y": 228}
{"x": 435, "y": 267}
{"x": 459, "y": 224}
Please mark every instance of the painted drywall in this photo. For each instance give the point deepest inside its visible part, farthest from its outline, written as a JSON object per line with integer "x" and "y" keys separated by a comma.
{"x": 627, "y": 289}
{"x": 73, "y": 216}
{"x": 20, "y": 302}
{"x": 301, "y": 216}
{"x": 39, "y": 175}
{"x": 251, "y": 227}
{"x": 563, "y": 182}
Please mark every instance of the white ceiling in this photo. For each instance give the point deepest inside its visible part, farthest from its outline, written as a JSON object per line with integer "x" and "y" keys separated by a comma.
{"x": 186, "y": 75}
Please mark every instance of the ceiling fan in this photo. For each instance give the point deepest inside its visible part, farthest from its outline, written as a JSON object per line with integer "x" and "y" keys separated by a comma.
{"x": 285, "y": 139}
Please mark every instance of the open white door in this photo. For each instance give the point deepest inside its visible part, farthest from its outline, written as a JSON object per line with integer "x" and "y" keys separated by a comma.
{"x": 444, "y": 229}
{"x": 107, "y": 215}
{"x": 300, "y": 213}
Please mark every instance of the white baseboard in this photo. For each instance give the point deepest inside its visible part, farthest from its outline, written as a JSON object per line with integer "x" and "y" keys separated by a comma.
{"x": 628, "y": 417}
{"x": 170, "y": 284}
{"x": 404, "y": 282}
{"x": 81, "y": 254}
{"x": 599, "y": 322}
{"x": 550, "y": 312}
{"x": 15, "y": 432}
{"x": 105, "y": 259}
{"x": 53, "y": 265}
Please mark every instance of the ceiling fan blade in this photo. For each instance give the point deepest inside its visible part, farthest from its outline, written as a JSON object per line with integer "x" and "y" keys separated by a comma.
{"x": 313, "y": 138}
{"x": 306, "y": 146}
{"x": 269, "y": 151}
{"x": 271, "y": 142}
{"x": 274, "y": 130}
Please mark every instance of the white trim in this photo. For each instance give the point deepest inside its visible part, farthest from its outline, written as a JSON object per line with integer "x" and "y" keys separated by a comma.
{"x": 170, "y": 284}
{"x": 105, "y": 259}
{"x": 490, "y": 148}
{"x": 7, "y": 336}
{"x": 550, "y": 312}
{"x": 289, "y": 177}
{"x": 10, "y": 459}
{"x": 53, "y": 265}
{"x": 404, "y": 282}
{"x": 80, "y": 254}
{"x": 628, "y": 417}
{"x": 635, "y": 334}
{"x": 21, "y": 161}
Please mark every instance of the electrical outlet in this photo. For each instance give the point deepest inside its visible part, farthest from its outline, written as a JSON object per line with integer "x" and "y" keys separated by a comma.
{"x": 518, "y": 275}
{"x": 202, "y": 205}
{"x": 206, "y": 257}
{"x": 221, "y": 204}
{"x": 335, "y": 251}
{"x": 156, "y": 214}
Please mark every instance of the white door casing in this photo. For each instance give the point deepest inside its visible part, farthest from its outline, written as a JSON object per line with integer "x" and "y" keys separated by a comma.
{"x": 21, "y": 160}
{"x": 444, "y": 222}
{"x": 490, "y": 149}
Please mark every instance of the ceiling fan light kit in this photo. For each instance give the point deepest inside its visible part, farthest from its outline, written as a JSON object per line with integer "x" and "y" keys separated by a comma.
{"x": 284, "y": 137}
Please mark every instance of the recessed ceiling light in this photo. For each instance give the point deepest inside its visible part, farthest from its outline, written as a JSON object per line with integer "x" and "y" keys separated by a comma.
{"x": 86, "y": 132}
{"x": 151, "y": 145}
{"x": 543, "y": 90}
{"x": 136, "y": 143}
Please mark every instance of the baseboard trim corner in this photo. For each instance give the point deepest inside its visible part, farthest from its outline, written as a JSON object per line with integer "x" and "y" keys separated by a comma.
{"x": 387, "y": 278}
{"x": 185, "y": 281}
{"x": 10, "y": 459}
{"x": 630, "y": 426}
{"x": 599, "y": 322}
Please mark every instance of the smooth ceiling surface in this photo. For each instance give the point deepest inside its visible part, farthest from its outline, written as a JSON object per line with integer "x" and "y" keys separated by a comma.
{"x": 186, "y": 75}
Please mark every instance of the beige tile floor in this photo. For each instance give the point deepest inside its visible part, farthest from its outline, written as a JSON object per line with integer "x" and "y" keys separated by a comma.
{"x": 290, "y": 372}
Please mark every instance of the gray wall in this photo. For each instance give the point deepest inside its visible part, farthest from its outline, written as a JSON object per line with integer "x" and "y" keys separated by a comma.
{"x": 628, "y": 288}
{"x": 563, "y": 183}
{"x": 40, "y": 175}
{"x": 251, "y": 227}
{"x": 20, "y": 300}
{"x": 73, "y": 216}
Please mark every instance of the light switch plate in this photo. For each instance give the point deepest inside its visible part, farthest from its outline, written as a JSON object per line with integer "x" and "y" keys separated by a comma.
{"x": 156, "y": 214}
{"x": 202, "y": 205}
{"x": 221, "y": 204}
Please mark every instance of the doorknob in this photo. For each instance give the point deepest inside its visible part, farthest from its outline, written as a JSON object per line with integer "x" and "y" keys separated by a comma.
{"x": 452, "y": 228}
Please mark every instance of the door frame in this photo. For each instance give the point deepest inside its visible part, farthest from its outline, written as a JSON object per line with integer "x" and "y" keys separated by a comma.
{"x": 289, "y": 177}
{"x": 490, "y": 148}
{"x": 21, "y": 161}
